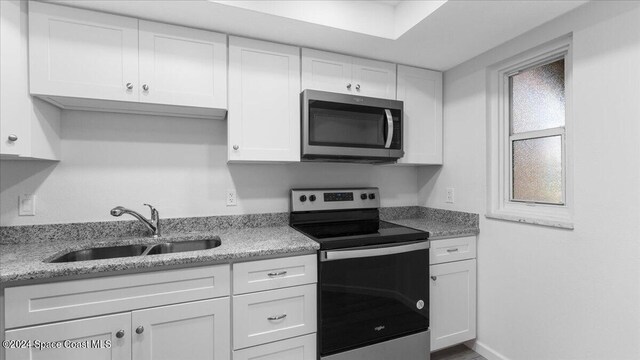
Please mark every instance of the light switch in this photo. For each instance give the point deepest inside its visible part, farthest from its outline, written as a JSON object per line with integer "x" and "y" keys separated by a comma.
{"x": 27, "y": 206}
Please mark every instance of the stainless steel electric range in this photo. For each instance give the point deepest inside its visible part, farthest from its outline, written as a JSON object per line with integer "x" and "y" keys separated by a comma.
{"x": 373, "y": 288}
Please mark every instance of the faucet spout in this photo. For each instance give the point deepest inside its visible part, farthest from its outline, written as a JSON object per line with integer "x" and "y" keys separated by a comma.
{"x": 152, "y": 224}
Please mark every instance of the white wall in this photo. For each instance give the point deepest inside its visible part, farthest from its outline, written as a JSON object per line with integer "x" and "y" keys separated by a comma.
{"x": 179, "y": 165}
{"x": 546, "y": 293}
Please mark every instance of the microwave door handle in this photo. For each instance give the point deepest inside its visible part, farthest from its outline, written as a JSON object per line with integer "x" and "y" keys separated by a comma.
{"x": 330, "y": 255}
{"x": 389, "y": 128}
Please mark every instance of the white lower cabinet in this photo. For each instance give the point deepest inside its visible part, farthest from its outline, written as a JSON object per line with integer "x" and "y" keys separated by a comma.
{"x": 272, "y": 318}
{"x": 196, "y": 330}
{"x": 452, "y": 301}
{"x": 298, "y": 348}
{"x": 166, "y": 315}
{"x": 98, "y": 337}
{"x": 273, "y": 315}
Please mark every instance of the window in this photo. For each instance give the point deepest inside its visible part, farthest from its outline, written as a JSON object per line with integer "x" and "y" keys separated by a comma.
{"x": 529, "y": 137}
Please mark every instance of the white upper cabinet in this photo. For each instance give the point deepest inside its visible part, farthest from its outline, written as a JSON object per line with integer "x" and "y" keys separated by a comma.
{"x": 421, "y": 92}
{"x": 181, "y": 66}
{"x": 374, "y": 78}
{"x": 326, "y": 71}
{"x": 82, "y": 54}
{"x": 30, "y": 129}
{"x": 264, "y": 101}
{"x": 87, "y": 60}
{"x": 348, "y": 75}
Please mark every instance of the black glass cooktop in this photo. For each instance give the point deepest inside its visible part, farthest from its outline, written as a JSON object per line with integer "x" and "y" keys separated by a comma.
{"x": 335, "y": 235}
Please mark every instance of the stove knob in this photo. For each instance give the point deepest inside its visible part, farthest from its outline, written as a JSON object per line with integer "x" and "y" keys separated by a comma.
{"x": 372, "y": 196}
{"x": 303, "y": 198}
{"x": 312, "y": 198}
{"x": 363, "y": 196}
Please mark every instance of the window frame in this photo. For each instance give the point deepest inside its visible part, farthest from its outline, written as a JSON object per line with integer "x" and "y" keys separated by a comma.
{"x": 500, "y": 204}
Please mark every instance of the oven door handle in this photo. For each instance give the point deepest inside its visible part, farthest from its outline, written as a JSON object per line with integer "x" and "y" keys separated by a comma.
{"x": 330, "y": 255}
{"x": 389, "y": 128}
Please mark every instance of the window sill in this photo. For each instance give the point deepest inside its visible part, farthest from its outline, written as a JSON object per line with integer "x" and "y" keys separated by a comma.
{"x": 561, "y": 224}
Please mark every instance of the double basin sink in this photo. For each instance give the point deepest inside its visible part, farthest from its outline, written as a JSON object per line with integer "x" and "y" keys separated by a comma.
{"x": 111, "y": 252}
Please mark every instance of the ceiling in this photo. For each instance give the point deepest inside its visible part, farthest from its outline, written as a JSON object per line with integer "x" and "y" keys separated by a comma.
{"x": 452, "y": 33}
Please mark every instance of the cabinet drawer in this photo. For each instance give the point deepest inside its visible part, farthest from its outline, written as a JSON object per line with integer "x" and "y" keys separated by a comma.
{"x": 42, "y": 303}
{"x": 274, "y": 273}
{"x": 273, "y": 315}
{"x": 299, "y": 348}
{"x": 453, "y": 249}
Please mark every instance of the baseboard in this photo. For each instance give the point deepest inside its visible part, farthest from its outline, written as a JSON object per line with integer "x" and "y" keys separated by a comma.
{"x": 485, "y": 351}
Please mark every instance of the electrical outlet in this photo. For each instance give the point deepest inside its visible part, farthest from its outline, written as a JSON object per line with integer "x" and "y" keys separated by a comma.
{"x": 451, "y": 196}
{"x": 232, "y": 199}
{"x": 27, "y": 205}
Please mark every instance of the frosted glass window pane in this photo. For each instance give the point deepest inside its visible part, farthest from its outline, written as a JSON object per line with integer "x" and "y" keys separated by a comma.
{"x": 537, "y": 170}
{"x": 537, "y": 98}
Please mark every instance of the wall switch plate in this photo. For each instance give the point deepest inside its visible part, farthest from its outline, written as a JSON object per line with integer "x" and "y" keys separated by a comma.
{"x": 27, "y": 205}
{"x": 451, "y": 196}
{"x": 232, "y": 199}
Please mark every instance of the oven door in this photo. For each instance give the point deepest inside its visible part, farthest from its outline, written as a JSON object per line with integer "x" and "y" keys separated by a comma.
{"x": 348, "y": 126}
{"x": 372, "y": 294}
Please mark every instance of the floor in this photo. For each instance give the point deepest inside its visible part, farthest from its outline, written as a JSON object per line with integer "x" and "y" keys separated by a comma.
{"x": 459, "y": 352}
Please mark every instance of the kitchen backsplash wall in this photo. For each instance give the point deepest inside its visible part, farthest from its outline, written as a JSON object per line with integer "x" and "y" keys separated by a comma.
{"x": 179, "y": 165}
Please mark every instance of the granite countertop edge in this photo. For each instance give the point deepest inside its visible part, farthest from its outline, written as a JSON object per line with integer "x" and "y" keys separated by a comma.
{"x": 27, "y": 261}
{"x": 24, "y": 262}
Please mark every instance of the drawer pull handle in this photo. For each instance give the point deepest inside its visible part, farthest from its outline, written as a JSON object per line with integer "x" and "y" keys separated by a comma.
{"x": 279, "y": 273}
{"x": 452, "y": 250}
{"x": 277, "y": 317}
{"x": 434, "y": 278}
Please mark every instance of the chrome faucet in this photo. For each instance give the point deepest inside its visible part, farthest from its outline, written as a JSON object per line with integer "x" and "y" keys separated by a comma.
{"x": 152, "y": 224}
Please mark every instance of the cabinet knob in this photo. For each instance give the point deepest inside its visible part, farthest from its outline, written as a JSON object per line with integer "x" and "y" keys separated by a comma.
{"x": 13, "y": 137}
{"x": 349, "y": 86}
{"x": 236, "y": 147}
{"x": 434, "y": 278}
{"x": 145, "y": 87}
{"x": 120, "y": 334}
{"x": 140, "y": 329}
{"x": 357, "y": 86}
{"x": 129, "y": 86}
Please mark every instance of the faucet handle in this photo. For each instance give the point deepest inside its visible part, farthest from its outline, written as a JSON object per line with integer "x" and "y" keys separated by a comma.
{"x": 154, "y": 212}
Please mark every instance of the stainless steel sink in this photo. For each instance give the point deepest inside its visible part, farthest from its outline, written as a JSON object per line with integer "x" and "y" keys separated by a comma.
{"x": 101, "y": 253}
{"x": 138, "y": 250}
{"x": 182, "y": 246}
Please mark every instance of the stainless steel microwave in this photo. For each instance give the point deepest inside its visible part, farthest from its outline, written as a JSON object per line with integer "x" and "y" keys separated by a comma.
{"x": 350, "y": 128}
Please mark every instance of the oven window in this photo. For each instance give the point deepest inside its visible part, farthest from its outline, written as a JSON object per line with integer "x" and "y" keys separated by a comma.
{"x": 368, "y": 300}
{"x": 334, "y": 124}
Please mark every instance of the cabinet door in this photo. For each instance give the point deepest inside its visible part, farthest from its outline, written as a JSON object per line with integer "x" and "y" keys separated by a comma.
{"x": 189, "y": 331}
{"x": 299, "y": 348}
{"x": 14, "y": 108}
{"x": 83, "y": 54}
{"x": 452, "y": 301}
{"x": 421, "y": 91}
{"x": 181, "y": 66}
{"x": 326, "y": 71}
{"x": 264, "y": 101}
{"x": 374, "y": 78}
{"x": 92, "y": 338}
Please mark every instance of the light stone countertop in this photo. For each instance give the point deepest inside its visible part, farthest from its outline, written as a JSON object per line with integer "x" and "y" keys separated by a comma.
{"x": 26, "y": 261}
{"x": 438, "y": 229}
{"x": 23, "y": 258}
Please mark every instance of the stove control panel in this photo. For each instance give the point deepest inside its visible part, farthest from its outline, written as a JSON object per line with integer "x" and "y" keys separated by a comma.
{"x": 334, "y": 199}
